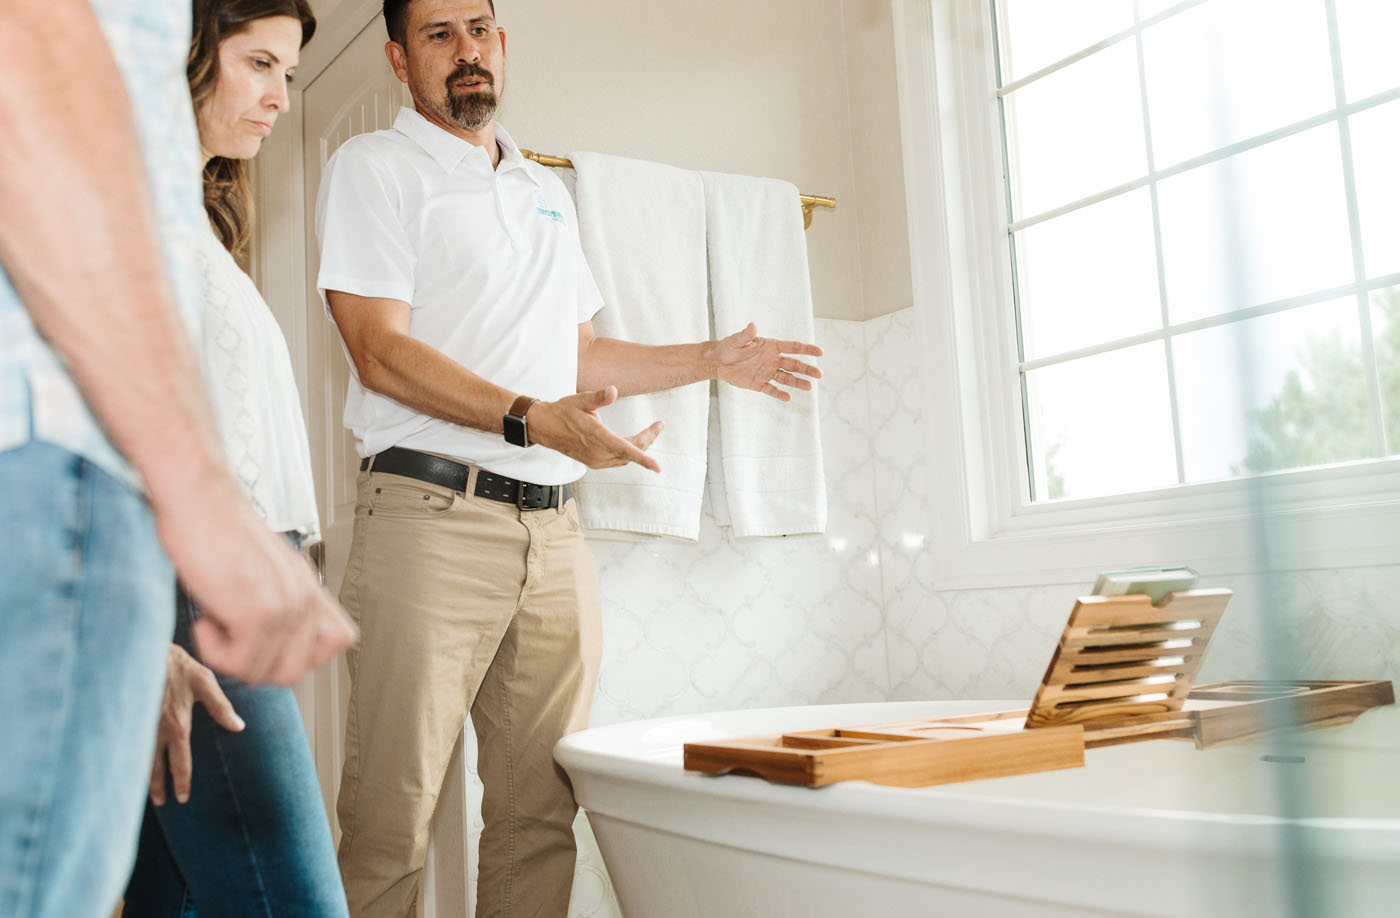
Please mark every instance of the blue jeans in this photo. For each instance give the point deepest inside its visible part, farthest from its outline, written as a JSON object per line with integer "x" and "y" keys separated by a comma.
{"x": 254, "y": 838}
{"x": 85, "y": 610}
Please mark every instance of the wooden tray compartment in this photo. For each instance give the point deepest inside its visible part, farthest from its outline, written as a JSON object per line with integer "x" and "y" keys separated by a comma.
{"x": 1220, "y": 717}
{"x": 934, "y": 753}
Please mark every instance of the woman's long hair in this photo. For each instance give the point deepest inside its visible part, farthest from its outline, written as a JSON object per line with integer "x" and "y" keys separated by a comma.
{"x": 227, "y": 198}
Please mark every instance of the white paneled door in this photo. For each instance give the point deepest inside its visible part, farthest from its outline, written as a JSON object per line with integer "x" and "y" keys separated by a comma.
{"x": 346, "y": 88}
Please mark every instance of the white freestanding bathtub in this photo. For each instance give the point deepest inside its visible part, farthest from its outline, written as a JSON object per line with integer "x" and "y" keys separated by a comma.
{"x": 1304, "y": 826}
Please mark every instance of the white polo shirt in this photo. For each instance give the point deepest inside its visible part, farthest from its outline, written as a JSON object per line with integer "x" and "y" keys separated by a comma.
{"x": 489, "y": 262}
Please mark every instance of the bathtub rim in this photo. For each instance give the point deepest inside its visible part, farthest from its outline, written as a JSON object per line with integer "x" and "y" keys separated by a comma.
{"x": 606, "y": 782}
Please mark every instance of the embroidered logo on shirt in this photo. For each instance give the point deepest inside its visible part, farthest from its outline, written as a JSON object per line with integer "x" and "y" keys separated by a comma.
{"x": 542, "y": 208}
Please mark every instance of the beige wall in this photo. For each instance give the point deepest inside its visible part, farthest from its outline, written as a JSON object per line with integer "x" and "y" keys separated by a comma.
{"x": 797, "y": 89}
{"x": 878, "y": 166}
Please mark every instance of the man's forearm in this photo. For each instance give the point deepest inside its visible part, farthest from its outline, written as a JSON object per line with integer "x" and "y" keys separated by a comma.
{"x": 77, "y": 241}
{"x": 391, "y": 362}
{"x": 639, "y": 368}
{"x": 423, "y": 378}
{"x": 415, "y": 374}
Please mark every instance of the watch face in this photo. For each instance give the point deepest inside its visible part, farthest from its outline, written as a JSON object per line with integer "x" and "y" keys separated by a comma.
{"x": 515, "y": 430}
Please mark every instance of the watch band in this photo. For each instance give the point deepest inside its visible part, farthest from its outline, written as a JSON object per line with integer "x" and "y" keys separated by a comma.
{"x": 513, "y": 425}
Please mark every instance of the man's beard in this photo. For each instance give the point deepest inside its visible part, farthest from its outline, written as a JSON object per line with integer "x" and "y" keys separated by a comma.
{"x": 472, "y": 109}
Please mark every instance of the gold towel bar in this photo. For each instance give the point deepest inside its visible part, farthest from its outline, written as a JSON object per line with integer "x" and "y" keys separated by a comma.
{"x": 809, "y": 201}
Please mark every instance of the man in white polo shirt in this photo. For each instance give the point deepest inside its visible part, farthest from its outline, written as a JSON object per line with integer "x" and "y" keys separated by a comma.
{"x": 452, "y": 267}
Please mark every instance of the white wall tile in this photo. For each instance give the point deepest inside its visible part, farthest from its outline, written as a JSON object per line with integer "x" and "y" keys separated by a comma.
{"x": 721, "y": 623}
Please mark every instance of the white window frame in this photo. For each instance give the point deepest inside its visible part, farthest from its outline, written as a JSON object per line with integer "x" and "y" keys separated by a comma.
{"x": 984, "y": 531}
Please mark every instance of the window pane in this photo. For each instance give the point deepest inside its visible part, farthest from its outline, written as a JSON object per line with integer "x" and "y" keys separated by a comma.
{"x": 1076, "y": 132}
{"x": 1368, "y": 30}
{"x": 1102, "y": 425}
{"x": 1232, "y": 69}
{"x": 1375, "y": 138}
{"x": 1089, "y": 276}
{"x": 1261, "y": 226}
{"x": 1385, "y": 331}
{"x": 1037, "y": 33}
{"x": 1278, "y": 392}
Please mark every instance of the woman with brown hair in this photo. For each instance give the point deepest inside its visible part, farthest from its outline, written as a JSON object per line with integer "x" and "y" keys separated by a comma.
{"x": 249, "y": 834}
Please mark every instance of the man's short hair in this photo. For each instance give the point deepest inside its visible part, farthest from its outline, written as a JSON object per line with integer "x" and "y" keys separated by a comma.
{"x": 396, "y": 19}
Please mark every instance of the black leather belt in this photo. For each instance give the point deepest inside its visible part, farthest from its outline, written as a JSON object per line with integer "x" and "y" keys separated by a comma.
{"x": 448, "y": 474}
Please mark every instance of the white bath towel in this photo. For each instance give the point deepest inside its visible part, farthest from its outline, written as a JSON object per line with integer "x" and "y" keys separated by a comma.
{"x": 770, "y": 472}
{"x": 642, "y": 227}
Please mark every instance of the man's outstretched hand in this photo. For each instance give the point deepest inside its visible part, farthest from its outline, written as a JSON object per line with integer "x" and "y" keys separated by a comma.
{"x": 747, "y": 361}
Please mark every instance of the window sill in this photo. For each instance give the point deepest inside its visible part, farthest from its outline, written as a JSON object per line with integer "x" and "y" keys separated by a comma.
{"x": 1317, "y": 520}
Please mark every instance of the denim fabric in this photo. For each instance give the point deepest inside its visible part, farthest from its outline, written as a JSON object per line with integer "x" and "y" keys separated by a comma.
{"x": 85, "y": 614}
{"x": 254, "y": 839}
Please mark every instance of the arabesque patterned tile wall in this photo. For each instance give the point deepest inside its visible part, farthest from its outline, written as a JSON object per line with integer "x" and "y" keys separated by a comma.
{"x": 854, "y": 616}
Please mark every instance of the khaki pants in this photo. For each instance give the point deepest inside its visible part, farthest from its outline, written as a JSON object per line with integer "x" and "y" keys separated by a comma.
{"x": 464, "y": 605}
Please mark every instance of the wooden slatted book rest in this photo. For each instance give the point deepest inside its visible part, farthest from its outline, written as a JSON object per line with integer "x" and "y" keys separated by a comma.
{"x": 1123, "y": 671}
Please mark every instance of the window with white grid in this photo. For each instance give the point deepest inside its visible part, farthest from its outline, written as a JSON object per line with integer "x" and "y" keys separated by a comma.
{"x": 1202, "y": 206}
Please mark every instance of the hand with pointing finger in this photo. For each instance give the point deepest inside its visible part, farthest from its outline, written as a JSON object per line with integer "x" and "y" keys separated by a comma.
{"x": 571, "y": 426}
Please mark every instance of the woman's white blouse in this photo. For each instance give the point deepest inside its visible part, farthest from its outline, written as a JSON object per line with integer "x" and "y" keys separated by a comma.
{"x": 249, "y": 376}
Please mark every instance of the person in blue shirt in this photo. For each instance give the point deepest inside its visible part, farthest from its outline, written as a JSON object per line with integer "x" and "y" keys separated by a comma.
{"x": 110, "y": 466}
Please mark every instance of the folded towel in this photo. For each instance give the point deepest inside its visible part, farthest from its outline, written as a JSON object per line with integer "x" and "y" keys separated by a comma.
{"x": 771, "y": 459}
{"x": 642, "y": 226}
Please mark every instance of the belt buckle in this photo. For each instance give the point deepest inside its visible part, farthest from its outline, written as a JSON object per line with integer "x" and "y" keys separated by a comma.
{"x": 555, "y": 492}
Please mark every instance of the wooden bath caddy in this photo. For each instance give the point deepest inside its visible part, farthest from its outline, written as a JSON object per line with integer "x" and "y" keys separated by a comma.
{"x": 1122, "y": 672}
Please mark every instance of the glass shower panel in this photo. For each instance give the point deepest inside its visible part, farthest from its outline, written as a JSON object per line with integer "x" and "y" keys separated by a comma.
{"x": 1280, "y": 272}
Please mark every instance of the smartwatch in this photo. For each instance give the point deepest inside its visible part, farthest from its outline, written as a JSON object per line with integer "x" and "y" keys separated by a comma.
{"x": 517, "y": 432}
